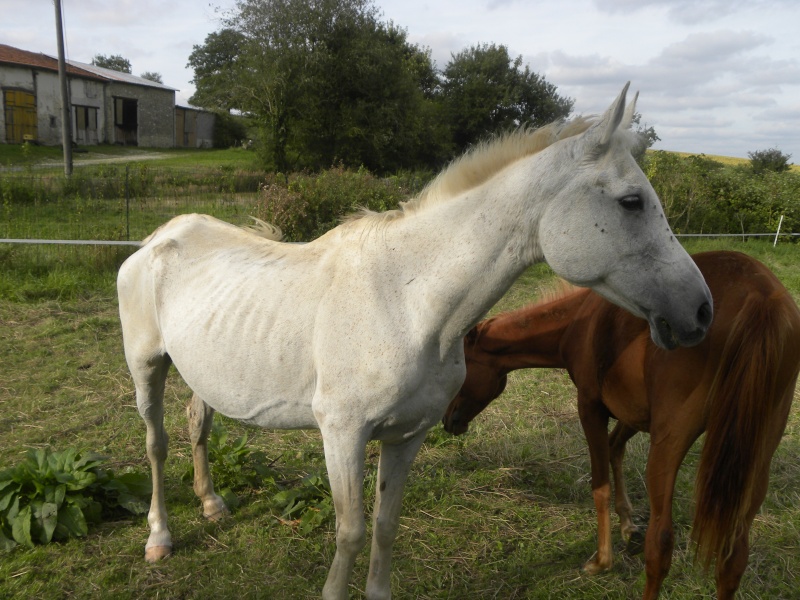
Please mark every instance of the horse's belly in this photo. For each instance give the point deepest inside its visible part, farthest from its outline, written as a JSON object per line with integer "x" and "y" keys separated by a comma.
{"x": 263, "y": 385}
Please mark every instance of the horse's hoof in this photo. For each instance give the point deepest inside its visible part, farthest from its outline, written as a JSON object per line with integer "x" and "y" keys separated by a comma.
{"x": 155, "y": 554}
{"x": 592, "y": 567}
{"x": 218, "y": 515}
{"x": 635, "y": 543}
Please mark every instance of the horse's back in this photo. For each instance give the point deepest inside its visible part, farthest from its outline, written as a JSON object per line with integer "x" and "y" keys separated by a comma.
{"x": 200, "y": 290}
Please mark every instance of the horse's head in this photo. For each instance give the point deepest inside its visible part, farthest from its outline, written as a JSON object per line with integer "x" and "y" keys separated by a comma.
{"x": 604, "y": 228}
{"x": 484, "y": 383}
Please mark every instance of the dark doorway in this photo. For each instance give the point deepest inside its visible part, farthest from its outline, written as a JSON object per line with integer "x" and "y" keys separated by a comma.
{"x": 126, "y": 122}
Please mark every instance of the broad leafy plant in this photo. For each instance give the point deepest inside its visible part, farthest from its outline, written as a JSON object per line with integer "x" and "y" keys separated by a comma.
{"x": 234, "y": 466}
{"x": 308, "y": 506}
{"x": 56, "y": 495}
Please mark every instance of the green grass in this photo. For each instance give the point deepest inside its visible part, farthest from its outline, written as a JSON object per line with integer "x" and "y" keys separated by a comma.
{"x": 51, "y": 157}
{"x": 502, "y": 512}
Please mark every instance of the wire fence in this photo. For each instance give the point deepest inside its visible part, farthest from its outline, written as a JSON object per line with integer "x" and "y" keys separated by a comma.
{"x": 119, "y": 205}
{"x": 97, "y": 217}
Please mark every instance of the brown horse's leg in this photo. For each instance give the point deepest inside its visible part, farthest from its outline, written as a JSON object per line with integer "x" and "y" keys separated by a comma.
{"x": 622, "y": 504}
{"x": 200, "y": 417}
{"x": 594, "y": 419}
{"x": 668, "y": 447}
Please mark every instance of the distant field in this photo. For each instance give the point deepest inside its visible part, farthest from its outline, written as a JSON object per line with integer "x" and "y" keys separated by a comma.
{"x": 729, "y": 160}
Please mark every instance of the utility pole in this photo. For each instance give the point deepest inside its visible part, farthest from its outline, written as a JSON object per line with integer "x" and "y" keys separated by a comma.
{"x": 66, "y": 120}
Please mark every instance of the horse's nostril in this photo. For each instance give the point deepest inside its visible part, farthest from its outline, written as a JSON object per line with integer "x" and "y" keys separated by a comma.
{"x": 705, "y": 314}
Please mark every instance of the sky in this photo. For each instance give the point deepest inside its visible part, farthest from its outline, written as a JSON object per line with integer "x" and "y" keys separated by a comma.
{"x": 719, "y": 77}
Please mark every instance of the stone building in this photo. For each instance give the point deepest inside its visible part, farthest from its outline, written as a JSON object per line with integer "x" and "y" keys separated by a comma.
{"x": 107, "y": 107}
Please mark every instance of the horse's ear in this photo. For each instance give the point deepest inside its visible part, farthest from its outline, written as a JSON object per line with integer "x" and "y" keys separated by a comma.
{"x": 599, "y": 135}
{"x": 630, "y": 110}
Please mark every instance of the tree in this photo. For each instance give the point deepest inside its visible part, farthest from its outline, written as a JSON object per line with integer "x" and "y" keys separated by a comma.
{"x": 648, "y": 134}
{"x": 372, "y": 113}
{"x": 329, "y": 83}
{"x": 769, "y": 160}
{"x": 152, "y": 76}
{"x": 216, "y": 64}
{"x": 484, "y": 91}
{"x": 114, "y": 62}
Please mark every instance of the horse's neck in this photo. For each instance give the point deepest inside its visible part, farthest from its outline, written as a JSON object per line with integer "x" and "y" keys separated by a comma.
{"x": 463, "y": 255}
{"x": 531, "y": 337}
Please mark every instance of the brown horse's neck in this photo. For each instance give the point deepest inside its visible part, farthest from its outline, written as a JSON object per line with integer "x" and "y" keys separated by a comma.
{"x": 531, "y": 336}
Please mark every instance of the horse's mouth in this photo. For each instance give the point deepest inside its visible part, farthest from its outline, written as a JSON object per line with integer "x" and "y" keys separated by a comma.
{"x": 453, "y": 424}
{"x": 663, "y": 335}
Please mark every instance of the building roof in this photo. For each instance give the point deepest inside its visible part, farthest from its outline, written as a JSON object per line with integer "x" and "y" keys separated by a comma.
{"x": 111, "y": 75}
{"x": 23, "y": 58}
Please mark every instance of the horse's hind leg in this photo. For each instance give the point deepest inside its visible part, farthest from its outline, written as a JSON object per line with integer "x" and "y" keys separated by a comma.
{"x": 201, "y": 417}
{"x": 622, "y": 505}
{"x": 668, "y": 447}
{"x": 729, "y": 570}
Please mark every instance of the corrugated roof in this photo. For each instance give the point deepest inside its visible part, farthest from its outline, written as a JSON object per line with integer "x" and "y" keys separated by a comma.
{"x": 120, "y": 76}
{"x": 23, "y": 58}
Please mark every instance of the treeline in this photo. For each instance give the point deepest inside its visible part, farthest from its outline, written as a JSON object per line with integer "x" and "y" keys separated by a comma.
{"x": 327, "y": 82}
{"x": 701, "y": 195}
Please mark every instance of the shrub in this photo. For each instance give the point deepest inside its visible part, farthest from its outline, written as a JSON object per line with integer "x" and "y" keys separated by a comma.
{"x": 56, "y": 495}
{"x": 308, "y": 506}
{"x": 233, "y": 465}
{"x": 769, "y": 160}
{"x": 305, "y": 206}
{"x": 701, "y": 195}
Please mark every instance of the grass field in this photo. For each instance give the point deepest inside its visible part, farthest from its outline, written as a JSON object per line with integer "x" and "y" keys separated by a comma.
{"x": 502, "y": 512}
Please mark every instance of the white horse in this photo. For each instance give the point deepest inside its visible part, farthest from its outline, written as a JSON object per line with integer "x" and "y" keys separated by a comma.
{"x": 360, "y": 332}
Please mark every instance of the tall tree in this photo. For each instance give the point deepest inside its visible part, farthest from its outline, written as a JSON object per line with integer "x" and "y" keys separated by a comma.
{"x": 329, "y": 82}
{"x": 484, "y": 91}
{"x": 216, "y": 65}
{"x": 114, "y": 62}
{"x": 371, "y": 112}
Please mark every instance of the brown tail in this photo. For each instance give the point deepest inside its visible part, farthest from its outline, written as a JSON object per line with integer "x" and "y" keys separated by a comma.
{"x": 745, "y": 400}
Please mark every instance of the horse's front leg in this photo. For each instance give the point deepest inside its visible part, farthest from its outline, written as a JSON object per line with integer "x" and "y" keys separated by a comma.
{"x": 201, "y": 417}
{"x": 622, "y": 504}
{"x": 345, "y": 447}
{"x": 395, "y": 463}
{"x": 594, "y": 419}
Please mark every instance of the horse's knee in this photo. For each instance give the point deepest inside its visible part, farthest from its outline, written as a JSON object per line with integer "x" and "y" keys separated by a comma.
{"x": 157, "y": 446}
{"x": 665, "y": 541}
{"x": 383, "y": 534}
{"x": 351, "y": 538}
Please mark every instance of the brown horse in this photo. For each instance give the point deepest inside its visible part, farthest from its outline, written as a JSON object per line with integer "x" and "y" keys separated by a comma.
{"x": 737, "y": 386}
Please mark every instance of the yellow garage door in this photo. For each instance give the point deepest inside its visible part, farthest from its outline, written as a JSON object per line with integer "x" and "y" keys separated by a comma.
{"x": 20, "y": 113}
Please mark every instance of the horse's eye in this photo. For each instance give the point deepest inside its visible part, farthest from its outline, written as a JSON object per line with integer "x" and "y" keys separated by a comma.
{"x": 632, "y": 203}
